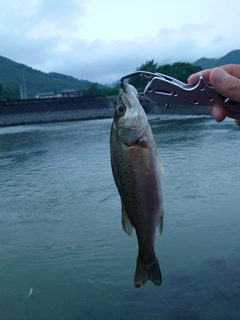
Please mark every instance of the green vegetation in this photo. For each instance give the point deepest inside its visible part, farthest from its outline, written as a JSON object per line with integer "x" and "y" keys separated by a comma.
{"x": 178, "y": 70}
{"x": 16, "y": 77}
{"x": 96, "y": 91}
{"x": 31, "y": 81}
{"x": 8, "y": 93}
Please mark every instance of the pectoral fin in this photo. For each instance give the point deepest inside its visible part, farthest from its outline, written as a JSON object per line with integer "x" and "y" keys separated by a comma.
{"x": 126, "y": 224}
{"x": 159, "y": 160}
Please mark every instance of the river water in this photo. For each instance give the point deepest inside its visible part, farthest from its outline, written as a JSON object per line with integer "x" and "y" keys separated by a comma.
{"x": 61, "y": 234}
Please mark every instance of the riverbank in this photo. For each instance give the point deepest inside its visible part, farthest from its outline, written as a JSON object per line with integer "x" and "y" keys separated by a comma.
{"x": 34, "y": 111}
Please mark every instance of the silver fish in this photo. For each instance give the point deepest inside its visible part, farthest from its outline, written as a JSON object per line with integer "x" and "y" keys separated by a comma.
{"x": 136, "y": 167}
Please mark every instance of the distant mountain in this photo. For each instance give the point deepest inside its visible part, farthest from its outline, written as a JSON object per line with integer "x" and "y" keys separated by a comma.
{"x": 114, "y": 84}
{"x": 231, "y": 57}
{"x": 31, "y": 81}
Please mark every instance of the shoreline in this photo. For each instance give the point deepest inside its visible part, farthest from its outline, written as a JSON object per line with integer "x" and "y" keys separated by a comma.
{"x": 36, "y": 111}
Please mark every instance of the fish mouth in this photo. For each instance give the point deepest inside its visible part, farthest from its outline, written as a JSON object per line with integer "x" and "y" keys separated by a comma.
{"x": 129, "y": 90}
{"x": 123, "y": 87}
{"x": 122, "y": 84}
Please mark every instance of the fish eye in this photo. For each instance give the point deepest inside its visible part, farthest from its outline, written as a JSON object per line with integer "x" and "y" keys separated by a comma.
{"x": 121, "y": 109}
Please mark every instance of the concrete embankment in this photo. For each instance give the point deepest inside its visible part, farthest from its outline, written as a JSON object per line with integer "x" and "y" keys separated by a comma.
{"x": 30, "y": 111}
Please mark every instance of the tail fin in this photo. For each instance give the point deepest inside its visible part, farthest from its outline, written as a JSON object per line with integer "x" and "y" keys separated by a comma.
{"x": 145, "y": 272}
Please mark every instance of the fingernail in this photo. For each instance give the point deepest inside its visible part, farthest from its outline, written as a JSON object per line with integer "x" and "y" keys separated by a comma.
{"x": 219, "y": 75}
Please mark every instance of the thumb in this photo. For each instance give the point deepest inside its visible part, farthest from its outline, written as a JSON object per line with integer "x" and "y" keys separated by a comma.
{"x": 225, "y": 84}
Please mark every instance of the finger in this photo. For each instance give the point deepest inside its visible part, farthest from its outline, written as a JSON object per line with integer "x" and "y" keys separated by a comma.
{"x": 194, "y": 77}
{"x": 237, "y": 122}
{"x": 232, "y": 69}
{"x": 218, "y": 113}
{"x": 233, "y": 115}
{"x": 225, "y": 84}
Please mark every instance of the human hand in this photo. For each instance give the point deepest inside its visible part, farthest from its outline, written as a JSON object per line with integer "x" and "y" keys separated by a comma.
{"x": 226, "y": 81}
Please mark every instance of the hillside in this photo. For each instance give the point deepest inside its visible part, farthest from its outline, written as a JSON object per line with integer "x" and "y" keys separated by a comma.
{"x": 32, "y": 81}
{"x": 231, "y": 57}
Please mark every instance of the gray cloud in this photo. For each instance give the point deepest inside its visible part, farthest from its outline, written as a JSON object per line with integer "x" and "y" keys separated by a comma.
{"x": 47, "y": 36}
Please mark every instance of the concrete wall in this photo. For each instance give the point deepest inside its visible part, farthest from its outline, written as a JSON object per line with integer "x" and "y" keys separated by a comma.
{"x": 31, "y": 111}
{"x": 54, "y": 110}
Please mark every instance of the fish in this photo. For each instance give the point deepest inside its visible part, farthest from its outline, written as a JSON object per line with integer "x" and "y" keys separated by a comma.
{"x": 136, "y": 168}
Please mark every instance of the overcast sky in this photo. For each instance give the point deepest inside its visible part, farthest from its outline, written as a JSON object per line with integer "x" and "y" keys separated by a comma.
{"x": 102, "y": 40}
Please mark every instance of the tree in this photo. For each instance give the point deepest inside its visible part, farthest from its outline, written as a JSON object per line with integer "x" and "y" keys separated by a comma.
{"x": 95, "y": 91}
{"x": 110, "y": 91}
{"x": 140, "y": 83}
{"x": 7, "y": 93}
{"x": 92, "y": 91}
{"x": 178, "y": 70}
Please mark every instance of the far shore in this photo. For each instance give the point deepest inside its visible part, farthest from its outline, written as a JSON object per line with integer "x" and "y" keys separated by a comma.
{"x": 72, "y": 109}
